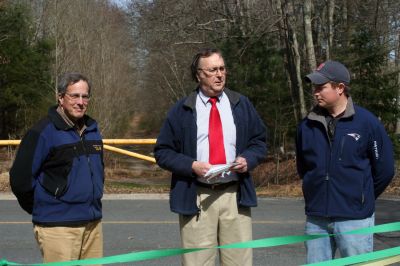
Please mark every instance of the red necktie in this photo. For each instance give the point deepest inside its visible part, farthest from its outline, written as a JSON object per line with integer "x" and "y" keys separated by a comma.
{"x": 215, "y": 135}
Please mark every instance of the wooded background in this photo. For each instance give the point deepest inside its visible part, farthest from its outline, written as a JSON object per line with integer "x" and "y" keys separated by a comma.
{"x": 137, "y": 54}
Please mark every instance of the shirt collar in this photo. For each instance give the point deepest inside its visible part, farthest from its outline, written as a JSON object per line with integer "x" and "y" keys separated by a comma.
{"x": 80, "y": 126}
{"x": 317, "y": 113}
{"x": 205, "y": 98}
{"x": 69, "y": 122}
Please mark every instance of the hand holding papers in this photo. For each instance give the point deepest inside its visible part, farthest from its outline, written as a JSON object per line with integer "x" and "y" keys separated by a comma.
{"x": 219, "y": 170}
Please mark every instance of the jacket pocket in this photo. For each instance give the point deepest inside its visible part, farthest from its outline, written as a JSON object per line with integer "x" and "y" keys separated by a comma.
{"x": 56, "y": 170}
{"x": 55, "y": 180}
{"x": 341, "y": 147}
{"x": 351, "y": 148}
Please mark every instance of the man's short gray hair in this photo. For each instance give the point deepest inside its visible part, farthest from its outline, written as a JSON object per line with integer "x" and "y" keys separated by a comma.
{"x": 68, "y": 79}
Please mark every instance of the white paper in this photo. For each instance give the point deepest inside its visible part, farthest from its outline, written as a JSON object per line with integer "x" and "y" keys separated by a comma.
{"x": 218, "y": 169}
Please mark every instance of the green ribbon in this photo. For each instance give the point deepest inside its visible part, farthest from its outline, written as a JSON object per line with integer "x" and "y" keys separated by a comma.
{"x": 377, "y": 255}
{"x": 260, "y": 243}
{"x": 5, "y": 263}
{"x": 130, "y": 257}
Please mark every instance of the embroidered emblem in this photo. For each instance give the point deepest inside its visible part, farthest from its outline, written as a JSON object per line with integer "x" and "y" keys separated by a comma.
{"x": 354, "y": 135}
{"x": 376, "y": 150}
{"x": 97, "y": 147}
{"x": 320, "y": 66}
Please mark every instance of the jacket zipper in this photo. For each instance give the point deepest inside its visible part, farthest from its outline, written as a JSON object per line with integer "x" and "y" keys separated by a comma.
{"x": 327, "y": 177}
{"x": 362, "y": 193}
{"x": 82, "y": 137}
{"x": 342, "y": 141}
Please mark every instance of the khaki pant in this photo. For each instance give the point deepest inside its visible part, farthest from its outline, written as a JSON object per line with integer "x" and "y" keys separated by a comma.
{"x": 220, "y": 222}
{"x": 61, "y": 243}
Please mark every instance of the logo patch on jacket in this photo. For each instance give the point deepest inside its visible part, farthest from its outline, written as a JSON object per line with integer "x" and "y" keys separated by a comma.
{"x": 97, "y": 147}
{"x": 354, "y": 135}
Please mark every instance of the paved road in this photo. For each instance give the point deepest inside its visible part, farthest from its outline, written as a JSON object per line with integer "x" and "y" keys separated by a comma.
{"x": 137, "y": 224}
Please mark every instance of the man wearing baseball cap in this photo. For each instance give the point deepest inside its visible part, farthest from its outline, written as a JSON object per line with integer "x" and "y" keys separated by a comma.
{"x": 345, "y": 159}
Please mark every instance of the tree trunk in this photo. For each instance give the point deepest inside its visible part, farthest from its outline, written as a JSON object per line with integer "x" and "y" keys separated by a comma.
{"x": 297, "y": 62}
{"x": 312, "y": 64}
{"x": 349, "y": 22}
{"x": 331, "y": 9}
{"x": 288, "y": 34}
{"x": 56, "y": 52}
{"x": 345, "y": 17}
{"x": 397, "y": 60}
{"x": 291, "y": 26}
{"x": 241, "y": 8}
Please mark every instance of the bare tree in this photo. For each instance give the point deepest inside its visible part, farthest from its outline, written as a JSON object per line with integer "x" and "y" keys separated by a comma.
{"x": 331, "y": 10}
{"x": 289, "y": 34}
{"x": 397, "y": 64}
{"x": 93, "y": 37}
{"x": 312, "y": 63}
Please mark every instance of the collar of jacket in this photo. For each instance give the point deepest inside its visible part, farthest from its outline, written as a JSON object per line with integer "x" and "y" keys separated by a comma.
{"x": 318, "y": 113}
{"x": 60, "y": 123}
{"x": 191, "y": 99}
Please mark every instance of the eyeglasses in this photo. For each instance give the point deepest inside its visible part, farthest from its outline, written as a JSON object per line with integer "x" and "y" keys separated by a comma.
{"x": 77, "y": 96}
{"x": 214, "y": 71}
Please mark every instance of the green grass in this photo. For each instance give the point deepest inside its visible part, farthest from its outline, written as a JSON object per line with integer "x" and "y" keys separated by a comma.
{"x": 131, "y": 185}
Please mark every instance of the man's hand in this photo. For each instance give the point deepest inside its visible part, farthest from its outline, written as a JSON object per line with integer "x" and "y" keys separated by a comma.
{"x": 241, "y": 166}
{"x": 200, "y": 168}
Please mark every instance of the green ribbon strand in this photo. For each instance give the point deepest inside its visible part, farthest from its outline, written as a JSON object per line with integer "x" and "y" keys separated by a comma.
{"x": 377, "y": 255}
{"x": 272, "y": 242}
{"x": 130, "y": 257}
{"x": 260, "y": 243}
{"x": 5, "y": 263}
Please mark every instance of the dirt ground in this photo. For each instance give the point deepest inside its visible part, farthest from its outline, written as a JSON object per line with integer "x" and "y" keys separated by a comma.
{"x": 272, "y": 179}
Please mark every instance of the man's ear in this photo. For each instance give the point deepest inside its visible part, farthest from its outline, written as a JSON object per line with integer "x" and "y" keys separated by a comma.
{"x": 341, "y": 88}
{"x": 60, "y": 98}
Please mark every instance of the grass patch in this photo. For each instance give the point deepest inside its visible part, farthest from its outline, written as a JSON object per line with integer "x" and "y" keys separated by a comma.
{"x": 131, "y": 185}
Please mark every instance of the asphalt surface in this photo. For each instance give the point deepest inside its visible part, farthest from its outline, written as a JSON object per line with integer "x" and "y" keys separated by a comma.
{"x": 143, "y": 222}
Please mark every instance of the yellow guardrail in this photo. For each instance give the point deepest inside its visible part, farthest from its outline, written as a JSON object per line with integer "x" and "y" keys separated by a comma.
{"x": 129, "y": 153}
{"x": 9, "y": 142}
{"x": 108, "y": 147}
{"x": 129, "y": 141}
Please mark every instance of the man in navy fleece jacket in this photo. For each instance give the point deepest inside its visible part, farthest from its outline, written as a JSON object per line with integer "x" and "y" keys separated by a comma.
{"x": 345, "y": 159}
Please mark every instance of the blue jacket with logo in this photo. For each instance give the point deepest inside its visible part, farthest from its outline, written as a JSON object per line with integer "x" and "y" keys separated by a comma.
{"x": 58, "y": 175}
{"x": 176, "y": 150}
{"x": 342, "y": 178}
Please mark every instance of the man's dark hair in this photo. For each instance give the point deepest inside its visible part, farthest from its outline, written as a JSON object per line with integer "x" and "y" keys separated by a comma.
{"x": 69, "y": 79}
{"x": 205, "y": 52}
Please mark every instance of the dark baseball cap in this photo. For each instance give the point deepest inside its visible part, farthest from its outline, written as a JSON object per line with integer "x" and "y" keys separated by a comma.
{"x": 329, "y": 71}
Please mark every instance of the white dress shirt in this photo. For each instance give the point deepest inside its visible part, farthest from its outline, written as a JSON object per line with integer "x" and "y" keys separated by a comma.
{"x": 203, "y": 107}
